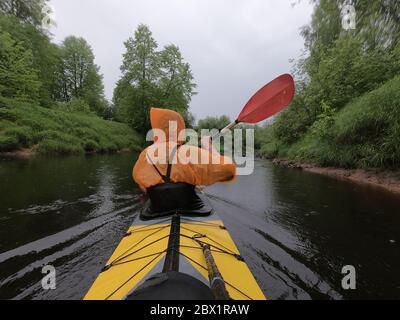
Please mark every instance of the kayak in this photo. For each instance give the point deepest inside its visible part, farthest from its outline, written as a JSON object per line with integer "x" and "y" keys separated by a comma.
{"x": 180, "y": 256}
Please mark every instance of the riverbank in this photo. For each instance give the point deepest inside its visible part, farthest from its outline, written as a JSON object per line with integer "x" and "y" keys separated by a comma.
{"x": 384, "y": 179}
{"x": 28, "y": 153}
{"x": 18, "y": 154}
{"x": 27, "y": 129}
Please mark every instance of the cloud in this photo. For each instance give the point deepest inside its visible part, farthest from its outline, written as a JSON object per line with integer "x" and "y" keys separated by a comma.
{"x": 234, "y": 47}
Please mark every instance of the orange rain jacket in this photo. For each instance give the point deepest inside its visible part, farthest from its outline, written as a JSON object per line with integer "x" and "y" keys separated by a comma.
{"x": 193, "y": 171}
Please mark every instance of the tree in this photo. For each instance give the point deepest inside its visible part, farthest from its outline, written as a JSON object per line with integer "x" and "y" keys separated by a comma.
{"x": 79, "y": 76}
{"x": 45, "y": 55}
{"x": 377, "y": 27}
{"x": 29, "y": 11}
{"x": 378, "y": 23}
{"x": 176, "y": 80}
{"x": 151, "y": 78}
{"x": 136, "y": 91}
{"x": 18, "y": 77}
{"x": 140, "y": 59}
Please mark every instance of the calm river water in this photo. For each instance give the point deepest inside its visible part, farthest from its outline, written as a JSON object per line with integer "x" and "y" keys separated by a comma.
{"x": 296, "y": 230}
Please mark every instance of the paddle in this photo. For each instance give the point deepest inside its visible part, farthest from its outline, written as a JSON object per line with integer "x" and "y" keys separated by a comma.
{"x": 267, "y": 102}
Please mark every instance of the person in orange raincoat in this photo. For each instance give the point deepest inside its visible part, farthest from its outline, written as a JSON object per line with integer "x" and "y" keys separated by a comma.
{"x": 170, "y": 163}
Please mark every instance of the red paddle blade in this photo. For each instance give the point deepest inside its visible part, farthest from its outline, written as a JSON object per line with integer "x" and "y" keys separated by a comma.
{"x": 270, "y": 100}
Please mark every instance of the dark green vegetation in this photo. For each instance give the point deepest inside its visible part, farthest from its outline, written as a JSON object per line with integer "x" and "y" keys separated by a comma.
{"x": 213, "y": 123}
{"x": 33, "y": 69}
{"x": 57, "y": 131}
{"x": 52, "y": 96}
{"x": 347, "y": 109}
{"x": 152, "y": 78}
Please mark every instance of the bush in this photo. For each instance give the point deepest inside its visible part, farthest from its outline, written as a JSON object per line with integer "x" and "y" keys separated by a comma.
{"x": 8, "y": 143}
{"x": 90, "y": 146}
{"x": 23, "y": 135}
{"x": 372, "y": 123}
{"x": 213, "y": 123}
{"x": 266, "y": 142}
{"x": 55, "y": 131}
{"x": 6, "y": 114}
{"x": 53, "y": 147}
{"x": 75, "y": 105}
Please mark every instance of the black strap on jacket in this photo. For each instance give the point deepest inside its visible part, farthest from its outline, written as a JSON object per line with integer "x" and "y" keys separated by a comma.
{"x": 166, "y": 178}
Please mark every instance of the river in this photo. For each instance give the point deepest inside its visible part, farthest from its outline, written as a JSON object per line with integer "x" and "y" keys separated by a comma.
{"x": 296, "y": 230}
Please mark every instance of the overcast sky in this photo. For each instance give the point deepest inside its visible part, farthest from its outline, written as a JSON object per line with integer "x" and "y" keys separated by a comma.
{"x": 234, "y": 47}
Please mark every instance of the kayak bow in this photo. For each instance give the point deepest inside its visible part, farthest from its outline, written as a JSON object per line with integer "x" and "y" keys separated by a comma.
{"x": 176, "y": 258}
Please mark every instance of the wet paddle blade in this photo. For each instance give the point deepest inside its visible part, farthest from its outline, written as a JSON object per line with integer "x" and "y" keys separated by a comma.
{"x": 269, "y": 101}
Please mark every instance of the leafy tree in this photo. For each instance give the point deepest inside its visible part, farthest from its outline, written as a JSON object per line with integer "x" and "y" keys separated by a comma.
{"x": 176, "y": 81}
{"x": 378, "y": 23}
{"x": 23, "y": 20}
{"x": 377, "y": 27}
{"x": 18, "y": 77}
{"x": 137, "y": 90}
{"x": 140, "y": 59}
{"x": 29, "y": 11}
{"x": 45, "y": 55}
{"x": 151, "y": 78}
{"x": 79, "y": 76}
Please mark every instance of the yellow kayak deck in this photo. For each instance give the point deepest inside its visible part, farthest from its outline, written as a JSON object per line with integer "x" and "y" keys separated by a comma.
{"x": 143, "y": 251}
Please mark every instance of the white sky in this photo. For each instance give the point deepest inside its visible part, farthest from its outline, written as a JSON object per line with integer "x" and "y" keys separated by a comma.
{"x": 233, "y": 46}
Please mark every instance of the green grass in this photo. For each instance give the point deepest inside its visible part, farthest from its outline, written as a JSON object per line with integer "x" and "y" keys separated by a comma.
{"x": 53, "y": 131}
{"x": 364, "y": 134}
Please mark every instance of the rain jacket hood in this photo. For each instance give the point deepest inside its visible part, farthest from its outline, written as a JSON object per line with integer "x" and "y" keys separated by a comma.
{"x": 171, "y": 124}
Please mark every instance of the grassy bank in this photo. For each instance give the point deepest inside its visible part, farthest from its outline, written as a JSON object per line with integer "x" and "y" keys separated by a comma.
{"x": 53, "y": 131}
{"x": 363, "y": 134}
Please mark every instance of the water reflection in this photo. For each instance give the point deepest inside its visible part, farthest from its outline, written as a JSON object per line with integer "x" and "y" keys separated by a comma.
{"x": 73, "y": 222}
